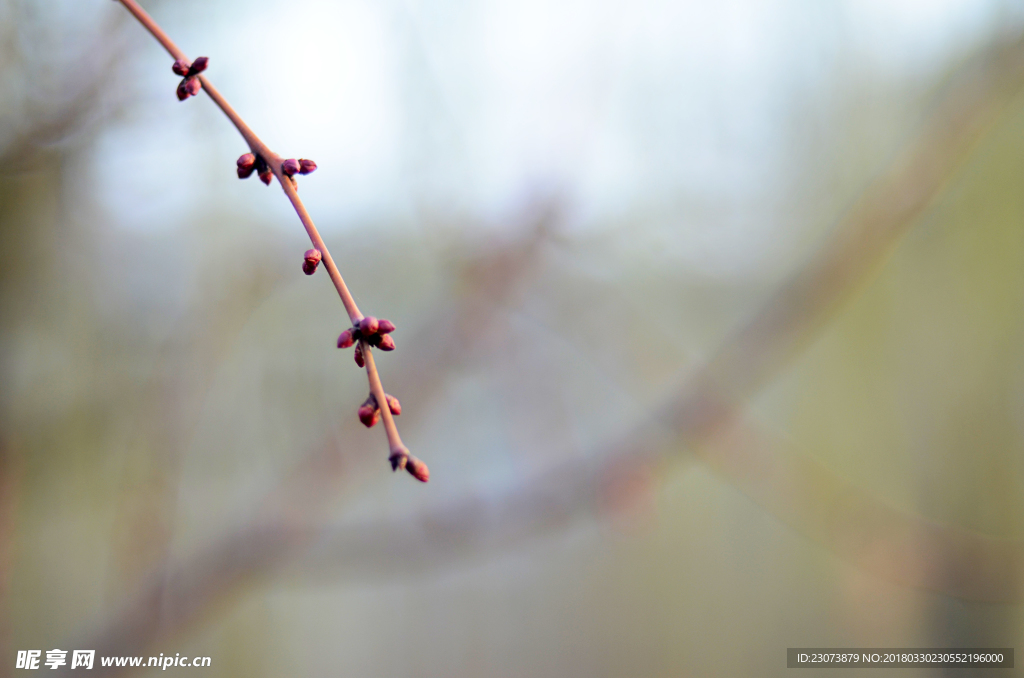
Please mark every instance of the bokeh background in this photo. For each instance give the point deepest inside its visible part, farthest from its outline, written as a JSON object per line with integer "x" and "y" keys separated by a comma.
{"x": 566, "y": 208}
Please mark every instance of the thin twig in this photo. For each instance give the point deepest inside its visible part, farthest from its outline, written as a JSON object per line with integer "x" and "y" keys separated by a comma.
{"x": 397, "y": 448}
{"x": 274, "y": 162}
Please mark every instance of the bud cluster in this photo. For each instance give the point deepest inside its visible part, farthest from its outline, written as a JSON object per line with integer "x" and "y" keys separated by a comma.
{"x": 189, "y": 85}
{"x": 253, "y": 162}
{"x": 369, "y": 411}
{"x": 374, "y": 332}
{"x": 291, "y": 166}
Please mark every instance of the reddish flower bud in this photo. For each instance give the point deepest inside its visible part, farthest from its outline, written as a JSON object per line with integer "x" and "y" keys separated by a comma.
{"x": 393, "y": 404}
{"x": 290, "y": 167}
{"x": 368, "y": 414}
{"x": 311, "y": 261}
{"x": 345, "y": 339}
{"x": 246, "y": 165}
{"x": 180, "y": 67}
{"x": 359, "y": 355}
{"x": 386, "y": 342}
{"x": 182, "y": 90}
{"x": 417, "y": 469}
{"x": 313, "y": 254}
{"x": 193, "y": 85}
{"x": 306, "y": 166}
{"x": 266, "y": 176}
{"x": 385, "y": 326}
{"x": 198, "y": 66}
{"x": 368, "y": 325}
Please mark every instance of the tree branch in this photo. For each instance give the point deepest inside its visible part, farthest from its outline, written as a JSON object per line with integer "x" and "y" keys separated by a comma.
{"x": 274, "y": 161}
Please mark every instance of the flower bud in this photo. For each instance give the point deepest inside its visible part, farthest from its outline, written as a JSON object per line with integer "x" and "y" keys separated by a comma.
{"x": 359, "y": 355}
{"x": 345, "y": 339}
{"x": 368, "y": 414}
{"x": 193, "y": 85}
{"x": 198, "y": 66}
{"x": 385, "y": 326}
{"x": 311, "y": 261}
{"x": 386, "y": 342}
{"x": 246, "y": 165}
{"x": 417, "y": 469}
{"x": 306, "y": 166}
{"x": 393, "y": 404}
{"x": 368, "y": 325}
{"x": 182, "y": 90}
{"x": 180, "y": 67}
{"x": 266, "y": 176}
{"x": 290, "y": 167}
